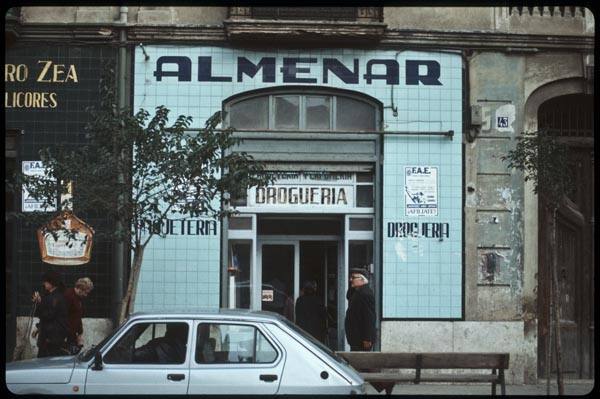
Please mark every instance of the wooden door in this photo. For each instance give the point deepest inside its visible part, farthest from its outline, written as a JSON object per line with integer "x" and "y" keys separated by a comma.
{"x": 570, "y": 118}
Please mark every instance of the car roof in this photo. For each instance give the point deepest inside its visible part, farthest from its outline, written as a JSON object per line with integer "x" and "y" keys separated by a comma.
{"x": 194, "y": 313}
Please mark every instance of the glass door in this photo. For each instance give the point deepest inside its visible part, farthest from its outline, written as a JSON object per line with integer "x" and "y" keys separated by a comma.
{"x": 319, "y": 264}
{"x": 279, "y": 277}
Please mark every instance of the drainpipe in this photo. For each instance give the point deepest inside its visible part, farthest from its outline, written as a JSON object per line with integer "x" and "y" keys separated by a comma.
{"x": 120, "y": 247}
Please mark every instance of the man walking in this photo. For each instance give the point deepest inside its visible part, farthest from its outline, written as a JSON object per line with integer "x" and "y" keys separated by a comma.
{"x": 360, "y": 316}
{"x": 52, "y": 312}
{"x": 75, "y": 311}
{"x": 310, "y": 312}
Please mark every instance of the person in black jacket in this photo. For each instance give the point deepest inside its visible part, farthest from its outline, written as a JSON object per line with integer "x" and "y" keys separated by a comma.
{"x": 360, "y": 316}
{"x": 52, "y": 312}
{"x": 310, "y": 312}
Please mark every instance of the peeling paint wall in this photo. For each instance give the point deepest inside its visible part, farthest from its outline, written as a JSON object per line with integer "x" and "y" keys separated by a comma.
{"x": 500, "y": 84}
{"x": 497, "y": 192}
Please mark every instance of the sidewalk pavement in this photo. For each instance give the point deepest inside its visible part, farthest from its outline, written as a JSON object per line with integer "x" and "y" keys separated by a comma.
{"x": 572, "y": 388}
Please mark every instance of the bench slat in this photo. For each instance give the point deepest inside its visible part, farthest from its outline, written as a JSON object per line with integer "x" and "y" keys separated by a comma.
{"x": 395, "y": 377}
{"x": 370, "y": 360}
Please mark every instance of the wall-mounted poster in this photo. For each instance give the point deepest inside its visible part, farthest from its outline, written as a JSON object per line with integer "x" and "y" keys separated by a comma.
{"x": 420, "y": 190}
{"x": 29, "y": 203}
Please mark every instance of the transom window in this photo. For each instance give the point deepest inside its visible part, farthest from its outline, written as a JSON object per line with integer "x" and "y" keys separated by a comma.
{"x": 303, "y": 111}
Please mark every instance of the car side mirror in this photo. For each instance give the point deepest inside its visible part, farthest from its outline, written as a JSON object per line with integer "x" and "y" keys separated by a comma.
{"x": 97, "y": 361}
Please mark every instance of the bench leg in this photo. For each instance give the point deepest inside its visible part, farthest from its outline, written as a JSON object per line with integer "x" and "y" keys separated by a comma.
{"x": 383, "y": 386}
{"x": 389, "y": 389}
{"x": 502, "y": 384}
{"x": 494, "y": 383}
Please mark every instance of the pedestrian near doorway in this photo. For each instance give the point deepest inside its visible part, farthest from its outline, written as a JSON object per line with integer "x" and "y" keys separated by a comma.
{"x": 51, "y": 309}
{"x": 75, "y": 311}
{"x": 310, "y": 312}
{"x": 360, "y": 315}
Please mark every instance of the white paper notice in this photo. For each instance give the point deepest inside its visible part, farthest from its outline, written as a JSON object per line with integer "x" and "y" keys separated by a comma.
{"x": 420, "y": 190}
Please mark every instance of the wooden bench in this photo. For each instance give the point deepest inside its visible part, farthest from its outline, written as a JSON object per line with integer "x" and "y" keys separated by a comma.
{"x": 370, "y": 364}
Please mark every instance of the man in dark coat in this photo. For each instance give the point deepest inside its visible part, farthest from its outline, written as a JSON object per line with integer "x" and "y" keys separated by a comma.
{"x": 360, "y": 316}
{"x": 74, "y": 299}
{"x": 310, "y": 312}
{"x": 52, "y": 312}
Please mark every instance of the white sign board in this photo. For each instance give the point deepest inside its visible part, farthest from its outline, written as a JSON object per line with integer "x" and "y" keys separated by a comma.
{"x": 65, "y": 247}
{"x": 420, "y": 190}
{"x": 267, "y": 295}
{"x": 296, "y": 191}
{"x": 28, "y": 203}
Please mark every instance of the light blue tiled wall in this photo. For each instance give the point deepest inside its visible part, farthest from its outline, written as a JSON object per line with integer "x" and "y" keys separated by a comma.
{"x": 423, "y": 279}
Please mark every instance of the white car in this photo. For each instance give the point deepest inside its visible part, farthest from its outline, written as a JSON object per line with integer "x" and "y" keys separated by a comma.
{"x": 209, "y": 352}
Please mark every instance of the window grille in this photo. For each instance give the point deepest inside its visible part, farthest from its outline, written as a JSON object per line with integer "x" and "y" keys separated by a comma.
{"x": 305, "y": 13}
{"x": 568, "y": 116}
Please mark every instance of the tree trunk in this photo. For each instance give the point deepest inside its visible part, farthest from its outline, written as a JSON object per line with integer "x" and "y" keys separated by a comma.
{"x": 138, "y": 261}
{"x": 556, "y": 303}
{"x": 129, "y": 297}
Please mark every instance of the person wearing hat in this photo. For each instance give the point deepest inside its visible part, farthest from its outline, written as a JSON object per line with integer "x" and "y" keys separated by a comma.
{"x": 52, "y": 312}
{"x": 360, "y": 315}
{"x": 310, "y": 312}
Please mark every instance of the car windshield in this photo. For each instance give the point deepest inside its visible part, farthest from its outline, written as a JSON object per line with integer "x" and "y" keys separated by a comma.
{"x": 89, "y": 354}
{"x": 316, "y": 342}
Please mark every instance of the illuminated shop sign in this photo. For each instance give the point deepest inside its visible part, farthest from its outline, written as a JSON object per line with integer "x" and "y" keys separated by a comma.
{"x": 302, "y": 70}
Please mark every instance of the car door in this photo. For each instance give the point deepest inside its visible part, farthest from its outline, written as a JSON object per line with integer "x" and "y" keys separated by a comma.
{"x": 141, "y": 361}
{"x": 234, "y": 358}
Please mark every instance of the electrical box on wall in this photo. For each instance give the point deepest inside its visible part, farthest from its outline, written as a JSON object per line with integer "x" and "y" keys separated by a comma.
{"x": 476, "y": 115}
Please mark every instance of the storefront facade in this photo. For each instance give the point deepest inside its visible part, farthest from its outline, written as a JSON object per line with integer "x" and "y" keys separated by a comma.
{"x": 384, "y": 130}
{"x": 48, "y": 90}
{"x": 356, "y": 183}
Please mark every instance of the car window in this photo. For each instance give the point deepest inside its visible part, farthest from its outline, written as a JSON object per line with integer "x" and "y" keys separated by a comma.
{"x": 232, "y": 343}
{"x": 151, "y": 343}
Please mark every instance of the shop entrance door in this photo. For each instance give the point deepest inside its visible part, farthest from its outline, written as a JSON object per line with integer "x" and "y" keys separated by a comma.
{"x": 319, "y": 263}
{"x": 279, "y": 279}
{"x": 287, "y": 263}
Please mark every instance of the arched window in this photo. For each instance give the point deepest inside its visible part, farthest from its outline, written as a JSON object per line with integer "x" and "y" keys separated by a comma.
{"x": 304, "y": 110}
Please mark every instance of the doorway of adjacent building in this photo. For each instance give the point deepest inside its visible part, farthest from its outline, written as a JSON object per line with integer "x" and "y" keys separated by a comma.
{"x": 570, "y": 118}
